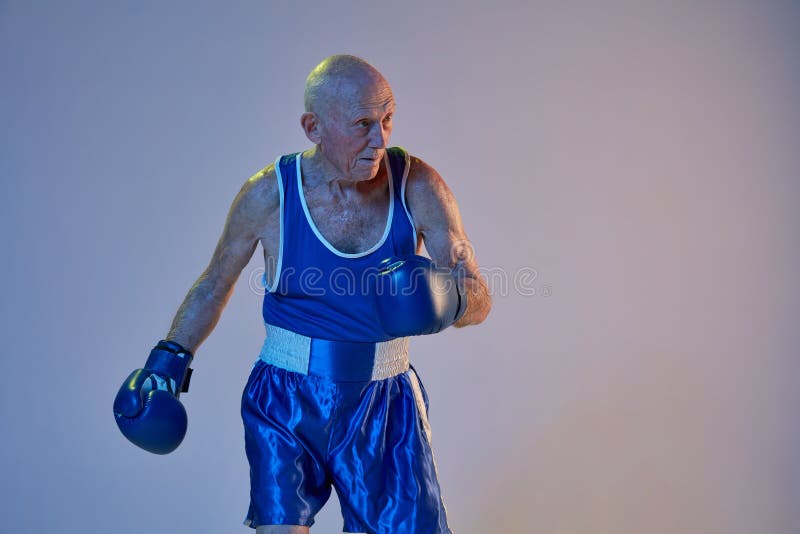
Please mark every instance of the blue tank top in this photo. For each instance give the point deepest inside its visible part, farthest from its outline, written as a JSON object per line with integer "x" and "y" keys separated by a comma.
{"x": 319, "y": 291}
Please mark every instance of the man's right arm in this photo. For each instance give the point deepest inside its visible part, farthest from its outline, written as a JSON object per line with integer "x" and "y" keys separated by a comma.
{"x": 255, "y": 205}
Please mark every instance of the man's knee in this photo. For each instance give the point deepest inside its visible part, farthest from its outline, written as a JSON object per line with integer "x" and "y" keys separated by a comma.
{"x": 281, "y": 529}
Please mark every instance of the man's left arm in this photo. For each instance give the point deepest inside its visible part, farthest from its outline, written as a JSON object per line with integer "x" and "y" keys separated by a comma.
{"x": 437, "y": 218}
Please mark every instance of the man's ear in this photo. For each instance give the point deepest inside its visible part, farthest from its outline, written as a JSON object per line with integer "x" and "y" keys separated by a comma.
{"x": 310, "y": 123}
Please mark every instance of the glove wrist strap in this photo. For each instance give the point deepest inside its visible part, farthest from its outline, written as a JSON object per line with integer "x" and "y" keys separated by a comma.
{"x": 462, "y": 301}
{"x": 171, "y": 359}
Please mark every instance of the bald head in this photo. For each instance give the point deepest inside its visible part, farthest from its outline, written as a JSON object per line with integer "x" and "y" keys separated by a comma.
{"x": 338, "y": 77}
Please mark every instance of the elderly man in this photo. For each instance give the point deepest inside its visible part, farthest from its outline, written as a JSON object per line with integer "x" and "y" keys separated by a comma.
{"x": 332, "y": 400}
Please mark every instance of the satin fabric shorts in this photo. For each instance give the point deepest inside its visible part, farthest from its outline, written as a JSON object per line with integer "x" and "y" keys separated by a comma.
{"x": 370, "y": 441}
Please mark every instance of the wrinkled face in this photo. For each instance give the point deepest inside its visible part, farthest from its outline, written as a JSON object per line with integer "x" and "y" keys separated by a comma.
{"x": 355, "y": 127}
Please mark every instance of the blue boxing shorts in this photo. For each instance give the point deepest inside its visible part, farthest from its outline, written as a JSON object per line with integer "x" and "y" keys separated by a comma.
{"x": 353, "y": 416}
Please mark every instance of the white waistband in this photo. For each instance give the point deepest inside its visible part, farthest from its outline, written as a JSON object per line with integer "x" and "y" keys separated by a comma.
{"x": 292, "y": 351}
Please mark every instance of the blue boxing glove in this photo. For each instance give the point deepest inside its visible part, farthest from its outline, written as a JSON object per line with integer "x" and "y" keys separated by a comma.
{"x": 414, "y": 296}
{"x": 147, "y": 409}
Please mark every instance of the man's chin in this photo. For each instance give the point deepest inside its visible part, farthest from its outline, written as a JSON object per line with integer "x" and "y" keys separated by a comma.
{"x": 368, "y": 169}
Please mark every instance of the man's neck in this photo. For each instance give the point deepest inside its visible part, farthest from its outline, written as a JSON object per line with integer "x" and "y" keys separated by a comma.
{"x": 318, "y": 172}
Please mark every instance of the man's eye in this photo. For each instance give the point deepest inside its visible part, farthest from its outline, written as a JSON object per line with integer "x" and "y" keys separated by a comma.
{"x": 363, "y": 123}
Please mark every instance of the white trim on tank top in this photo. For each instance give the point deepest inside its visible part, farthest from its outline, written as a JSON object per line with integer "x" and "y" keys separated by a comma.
{"x": 279, "y": 265}
{"x": 316, "y": 231}
{"x": 403, "y": 197}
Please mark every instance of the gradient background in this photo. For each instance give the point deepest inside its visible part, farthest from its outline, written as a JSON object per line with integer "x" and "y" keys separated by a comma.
{"x": 633, "y": 165}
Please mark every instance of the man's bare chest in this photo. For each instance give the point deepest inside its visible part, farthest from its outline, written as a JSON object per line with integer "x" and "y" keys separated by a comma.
{"x": 349, "y": 226}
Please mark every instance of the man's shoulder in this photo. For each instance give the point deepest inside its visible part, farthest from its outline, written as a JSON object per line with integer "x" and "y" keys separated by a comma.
{"x": 260, "y": 192}
{"x": 422, "y": 179}
{"x": 429, "y": 198}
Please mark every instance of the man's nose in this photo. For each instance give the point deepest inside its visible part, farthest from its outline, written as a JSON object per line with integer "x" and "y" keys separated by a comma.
{"x": 379, "y": 136}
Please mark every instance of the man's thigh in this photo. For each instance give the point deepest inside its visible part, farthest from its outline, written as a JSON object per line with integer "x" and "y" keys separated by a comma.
{"x": 385, "y": 474}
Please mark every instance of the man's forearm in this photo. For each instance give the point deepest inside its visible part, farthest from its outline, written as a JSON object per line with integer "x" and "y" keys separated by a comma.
{"x": 198, "y": 315}
{"x": 479, "y": 302}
